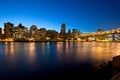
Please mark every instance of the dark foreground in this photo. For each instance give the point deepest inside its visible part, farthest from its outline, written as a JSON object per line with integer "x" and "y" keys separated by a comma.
{"x": 63, "y": 73}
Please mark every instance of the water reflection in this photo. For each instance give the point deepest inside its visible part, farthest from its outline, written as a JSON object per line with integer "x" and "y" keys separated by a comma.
{"x": 12, "y": 48}
{"x": 42, "y": 50}
{"x": 88, "y": 51}
{"x": 6, "y": 48}
{"x": 9, "y": 54}
{"x": 32, "y": 52}
{"x": 9, "y": 48}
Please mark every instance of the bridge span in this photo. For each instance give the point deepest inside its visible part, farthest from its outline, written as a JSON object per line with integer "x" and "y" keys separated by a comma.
{"x": 111, "y": 35}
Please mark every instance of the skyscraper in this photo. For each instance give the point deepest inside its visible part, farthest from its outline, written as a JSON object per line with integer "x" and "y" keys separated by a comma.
{"x": 69, "y": 31}
{"x": 8, "y": 29}
{"x": 63, "y": 28}
{"x": 63, "y": 31}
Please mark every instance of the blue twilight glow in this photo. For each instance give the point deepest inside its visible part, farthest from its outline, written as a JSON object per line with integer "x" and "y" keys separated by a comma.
{"x": 85, "y": 15}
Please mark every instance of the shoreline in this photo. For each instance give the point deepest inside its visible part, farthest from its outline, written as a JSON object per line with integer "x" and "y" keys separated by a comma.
{"x": 59, "y": 41}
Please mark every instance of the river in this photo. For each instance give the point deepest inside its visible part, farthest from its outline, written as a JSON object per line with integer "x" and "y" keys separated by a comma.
{"x": 44, "y": 58}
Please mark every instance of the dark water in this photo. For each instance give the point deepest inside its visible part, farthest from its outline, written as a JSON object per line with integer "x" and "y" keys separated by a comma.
{"x": 53, "y": 59}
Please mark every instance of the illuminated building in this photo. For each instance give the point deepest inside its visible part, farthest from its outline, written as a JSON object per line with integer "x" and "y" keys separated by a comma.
{"x": 75, "y": 33}
{"x": 109, "y": 37}
{"x": 69, "y": 34}
{"x": 33, "y": 32}
{"x": 20, "y": 32}
{"x": 51, "y": 35}
{"x": 11, "y": 33}
{"x": 3, "y": 31}
{"x": 42, "y": 33}
{"x": 63, "y": 31}
{"x": 63, "y": 28}
{"x": 8, "y": 29}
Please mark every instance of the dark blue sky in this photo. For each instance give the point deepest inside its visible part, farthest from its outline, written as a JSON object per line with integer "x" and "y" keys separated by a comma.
{"x": 85, "y": 15}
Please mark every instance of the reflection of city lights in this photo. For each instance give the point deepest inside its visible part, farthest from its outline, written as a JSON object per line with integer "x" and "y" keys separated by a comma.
{"x": 59, "y": 47}
{"x": 11, "y": 48}
{"x": 32, "y": 52}
{"x": 6, "y": 48}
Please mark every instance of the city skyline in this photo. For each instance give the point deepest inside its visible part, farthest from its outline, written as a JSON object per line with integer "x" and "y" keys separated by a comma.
{"x": 84, "y": 15}
{"x": 60, "y": 28}
{"x": 23, "y": 33}
{"x": 28, "y": 27}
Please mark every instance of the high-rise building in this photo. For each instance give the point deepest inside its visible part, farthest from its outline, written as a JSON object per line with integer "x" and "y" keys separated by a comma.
{"x": 20, "y": 32}
{"x": 69, "y": 31}
{"x": 63, "y": 31}
{"x": 33, "y": 31}
{"x": 8, "y": 27}
{"x": 63, "y": 28}
{"x": 42, "y": 33}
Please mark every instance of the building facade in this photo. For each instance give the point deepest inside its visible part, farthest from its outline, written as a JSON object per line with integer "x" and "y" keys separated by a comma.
{"x": 20, "y": 32}
{"x": 8, "y": 29}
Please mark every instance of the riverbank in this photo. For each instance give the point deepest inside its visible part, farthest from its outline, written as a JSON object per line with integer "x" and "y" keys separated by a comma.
{"x": 56, "y": 41}
{"x": 110, "y": 70}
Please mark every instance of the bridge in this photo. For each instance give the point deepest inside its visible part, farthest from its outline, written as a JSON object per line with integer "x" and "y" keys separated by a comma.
{"x": 111, "y": 35}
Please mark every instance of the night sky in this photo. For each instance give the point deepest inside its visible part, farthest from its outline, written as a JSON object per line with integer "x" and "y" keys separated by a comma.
{"x": 85, "y": 15}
